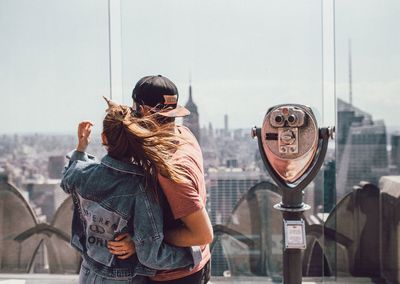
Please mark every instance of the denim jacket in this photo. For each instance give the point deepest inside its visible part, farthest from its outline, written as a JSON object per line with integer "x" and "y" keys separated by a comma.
{"x": 110, "y": 199}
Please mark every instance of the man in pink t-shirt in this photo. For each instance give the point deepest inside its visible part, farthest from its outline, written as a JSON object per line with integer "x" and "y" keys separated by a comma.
{"x": 187, "y": 201}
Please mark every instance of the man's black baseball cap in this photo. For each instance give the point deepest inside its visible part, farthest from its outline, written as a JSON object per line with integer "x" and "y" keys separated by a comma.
{"x": 160, "y": 93}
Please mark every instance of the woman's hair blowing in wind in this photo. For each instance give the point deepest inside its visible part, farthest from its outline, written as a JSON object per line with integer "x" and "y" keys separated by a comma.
{"x": 142, "y": 140}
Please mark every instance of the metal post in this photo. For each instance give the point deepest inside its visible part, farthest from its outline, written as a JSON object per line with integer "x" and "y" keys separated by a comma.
{"x": 292, "y": 208}
{"x": 115, "y": 49}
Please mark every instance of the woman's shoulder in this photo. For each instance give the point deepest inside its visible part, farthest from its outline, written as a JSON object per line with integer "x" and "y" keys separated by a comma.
{"x": 85, "y": 167}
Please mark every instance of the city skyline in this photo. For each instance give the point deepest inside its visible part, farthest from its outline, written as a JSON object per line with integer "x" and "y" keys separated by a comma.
{"x": 233, "y": 170}
{"x": 231, "y": 61}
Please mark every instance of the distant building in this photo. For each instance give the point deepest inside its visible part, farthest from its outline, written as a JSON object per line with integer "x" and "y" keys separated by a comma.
{"x": 325, "y": 188}
{"x": 55, "y": 167}
{"x": 225, "y": 188}
{"x": 209, "y": 147}
{"x": 362, "y": 153}
{"x": 231, "y": 163}
{"x": 226, "y": 124}
{"x": 192, "y": 121}
{"x": 395, "y": 151}
{"x": 46, "y": 195}
{"x": 329, "y": 185}
{"x": 3, "y": 175}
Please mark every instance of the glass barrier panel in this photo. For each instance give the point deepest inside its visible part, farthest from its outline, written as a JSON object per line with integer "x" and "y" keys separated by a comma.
{"x": 54, "y": 72}
{"x": 363, "y": 243}
{"x": 232, "y": 61}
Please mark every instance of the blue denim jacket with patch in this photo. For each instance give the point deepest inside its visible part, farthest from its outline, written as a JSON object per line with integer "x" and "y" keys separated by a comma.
{"x": 110, "y": 199}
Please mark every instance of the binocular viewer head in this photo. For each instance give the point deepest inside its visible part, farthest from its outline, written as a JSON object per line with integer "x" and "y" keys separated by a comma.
{"x": 289, "y": 142}
{"x": 289, "y": 116}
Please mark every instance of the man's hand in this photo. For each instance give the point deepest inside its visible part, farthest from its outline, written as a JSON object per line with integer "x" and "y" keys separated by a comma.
{"x": 84, "y": 130}
{"x": 123, "y": 246}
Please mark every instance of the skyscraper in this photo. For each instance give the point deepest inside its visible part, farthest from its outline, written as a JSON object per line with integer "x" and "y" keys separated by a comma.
{"x": 362, "y": 153}
{"x": 225, "y": 188}
{"x": 395, "y": 152}
{"x": 55, "y": 167}
{"x": 226, "y": 124}
{"x": 47, "y": 195}
{"x": 192, "y": 121}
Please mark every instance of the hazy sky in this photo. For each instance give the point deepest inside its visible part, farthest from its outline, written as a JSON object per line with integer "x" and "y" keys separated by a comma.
{"x": 242, "y": 57}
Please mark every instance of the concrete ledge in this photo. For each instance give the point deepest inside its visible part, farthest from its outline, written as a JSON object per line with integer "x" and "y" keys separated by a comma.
{"x": 73, "y": 279}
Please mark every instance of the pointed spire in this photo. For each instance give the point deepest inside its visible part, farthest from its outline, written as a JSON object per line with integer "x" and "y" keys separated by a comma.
{"x": 192, "y": 121}
{"x": 190, "y": 94}
{"x": 190, "y": 88}
{"x": 190, "y": 105}
{"x": 350, "y": 77}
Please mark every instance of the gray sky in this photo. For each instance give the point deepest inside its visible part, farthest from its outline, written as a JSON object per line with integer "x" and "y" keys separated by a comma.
{"x": 242, "y": 56}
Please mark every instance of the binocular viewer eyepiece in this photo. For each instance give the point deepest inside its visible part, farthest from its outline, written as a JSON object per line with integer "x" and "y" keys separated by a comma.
{"x": 287, "y": 115}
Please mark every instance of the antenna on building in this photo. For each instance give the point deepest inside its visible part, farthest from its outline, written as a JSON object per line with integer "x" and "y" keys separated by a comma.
{"x": 350, "y": 77}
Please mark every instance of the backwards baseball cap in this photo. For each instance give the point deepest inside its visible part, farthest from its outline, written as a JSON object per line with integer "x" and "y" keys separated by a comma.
{"x": 160, "y": 93}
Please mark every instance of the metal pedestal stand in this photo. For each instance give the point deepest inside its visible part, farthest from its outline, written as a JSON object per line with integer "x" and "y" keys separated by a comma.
{"x": 282, "y": 136}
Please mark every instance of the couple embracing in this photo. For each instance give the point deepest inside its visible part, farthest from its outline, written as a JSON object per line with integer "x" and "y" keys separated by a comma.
{"x": 139, "y": 212}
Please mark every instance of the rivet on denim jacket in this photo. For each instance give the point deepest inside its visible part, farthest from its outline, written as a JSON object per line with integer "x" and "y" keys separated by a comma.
{"x": 110, "y": 199}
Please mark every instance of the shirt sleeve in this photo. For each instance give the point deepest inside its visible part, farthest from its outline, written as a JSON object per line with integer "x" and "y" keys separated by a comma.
{"x": 183, "y": 198}
{"x": 151, "y": 249}
{"x": 73, "y": 171}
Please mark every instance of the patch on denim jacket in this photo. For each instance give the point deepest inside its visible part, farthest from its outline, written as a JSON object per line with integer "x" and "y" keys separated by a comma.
{"x": 102, "y": 225}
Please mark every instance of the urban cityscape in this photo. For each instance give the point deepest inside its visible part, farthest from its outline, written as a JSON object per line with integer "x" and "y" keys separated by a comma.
{"x": 32, "y": 165}
{"x": 232, "y": 61}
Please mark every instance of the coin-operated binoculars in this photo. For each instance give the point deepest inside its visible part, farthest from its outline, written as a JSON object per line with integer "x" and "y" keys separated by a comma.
{"x": 293, "y": 149}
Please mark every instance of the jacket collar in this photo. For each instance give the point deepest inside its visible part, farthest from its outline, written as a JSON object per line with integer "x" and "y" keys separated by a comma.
{"x": 121, "y": 166}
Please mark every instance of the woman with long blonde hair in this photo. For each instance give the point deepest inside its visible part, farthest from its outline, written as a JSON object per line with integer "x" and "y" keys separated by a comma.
{"x": 119, "y": 196}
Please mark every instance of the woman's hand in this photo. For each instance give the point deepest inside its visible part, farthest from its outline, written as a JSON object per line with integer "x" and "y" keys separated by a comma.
{"x": 123, "y": 246}
{"x": 84, "y": 130}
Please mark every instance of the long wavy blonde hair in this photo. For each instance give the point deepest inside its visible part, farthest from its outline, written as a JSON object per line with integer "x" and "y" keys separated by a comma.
{"x": 143, "y": 141}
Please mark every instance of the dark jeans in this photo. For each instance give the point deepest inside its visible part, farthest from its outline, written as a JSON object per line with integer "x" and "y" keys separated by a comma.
{"x": 200, "y": 277}
{"x": 87, "y": 276}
